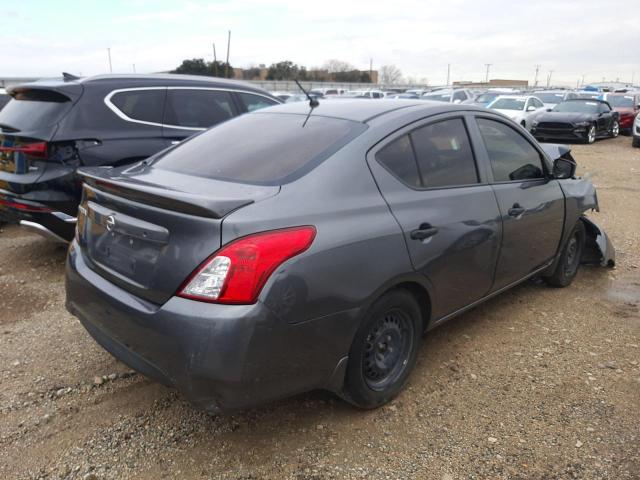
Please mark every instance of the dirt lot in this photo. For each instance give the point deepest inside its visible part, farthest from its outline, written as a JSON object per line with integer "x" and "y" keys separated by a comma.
{"x": 539, "y": 383}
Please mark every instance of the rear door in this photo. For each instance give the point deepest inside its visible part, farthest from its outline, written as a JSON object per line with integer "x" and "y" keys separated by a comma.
{"x": 190, "y": 110}
{"x": 428, "y": 175}
{"x": 531, "y": 204}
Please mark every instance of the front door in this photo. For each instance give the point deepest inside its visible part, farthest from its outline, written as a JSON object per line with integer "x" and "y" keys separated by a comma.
{"x": 447, "y": 212}
{"x": 531, "y": 204}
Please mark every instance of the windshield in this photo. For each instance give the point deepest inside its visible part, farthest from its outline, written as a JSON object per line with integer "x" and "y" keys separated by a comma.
{"x": 550, "y": 97}
{"x": 30, "y": 110}
{"x": 509, "y": 104}
{"x": 487, "y": 97}
{"x": 260, "y": 148}
{"x": 577, "y": 106}
{"x": 438, "y": 97}
{"x": 620, "y": 101}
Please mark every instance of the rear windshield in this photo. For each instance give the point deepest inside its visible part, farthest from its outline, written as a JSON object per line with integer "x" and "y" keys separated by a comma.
{"x": 33, "y": 110}
{"x": 261, "y": 148}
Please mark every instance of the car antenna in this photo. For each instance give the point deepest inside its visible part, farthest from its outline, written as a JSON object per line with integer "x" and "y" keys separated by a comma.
{"x": 69, "y": 77}
{"x": 313, "y": 102}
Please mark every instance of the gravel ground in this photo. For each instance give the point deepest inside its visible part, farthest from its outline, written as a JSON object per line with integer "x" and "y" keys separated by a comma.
{"x": 538, "y": 383}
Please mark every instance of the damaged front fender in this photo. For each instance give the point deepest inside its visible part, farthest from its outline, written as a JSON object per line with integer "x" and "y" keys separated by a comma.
{"x": 598, "y": 249}
{"x": 580, "y": 196}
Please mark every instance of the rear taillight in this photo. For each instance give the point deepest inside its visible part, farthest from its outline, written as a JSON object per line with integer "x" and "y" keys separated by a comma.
{"x": 237, "y": 272}
{"x": 25, "y": 207}
{"x": 38, "y": 149}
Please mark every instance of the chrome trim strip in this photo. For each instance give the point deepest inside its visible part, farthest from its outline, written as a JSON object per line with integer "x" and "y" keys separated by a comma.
{"x": 64, "y": 217}
{"x": 44, "y": 231}
{"x": 122, "y": 115}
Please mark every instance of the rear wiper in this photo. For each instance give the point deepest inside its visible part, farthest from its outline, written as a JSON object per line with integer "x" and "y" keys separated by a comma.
{"x": 8, "y": 128}
{"x": 313, "y": 102}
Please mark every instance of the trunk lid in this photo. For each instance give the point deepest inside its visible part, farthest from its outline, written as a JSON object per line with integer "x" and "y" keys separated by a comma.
{"x": 147, "y": 230}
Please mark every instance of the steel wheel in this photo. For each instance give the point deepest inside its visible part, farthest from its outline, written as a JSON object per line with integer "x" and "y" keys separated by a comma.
{"x": 387, "y": 349}
{"x": 572, "y": 258}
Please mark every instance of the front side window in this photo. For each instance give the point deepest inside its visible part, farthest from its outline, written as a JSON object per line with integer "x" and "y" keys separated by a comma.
{"x": 512, "y": 157}
{"x": 143, "y": 105}
{"x": 255, "y": 102}
{"x": 197, "y": 108}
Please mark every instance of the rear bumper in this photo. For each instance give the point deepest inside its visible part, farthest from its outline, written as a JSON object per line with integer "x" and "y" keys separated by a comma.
{"x": 38, "y": 217}
{"x": 221, "y": 357}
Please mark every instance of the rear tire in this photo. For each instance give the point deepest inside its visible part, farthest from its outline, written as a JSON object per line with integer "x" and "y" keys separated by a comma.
{"x": 635, "y": 142}
{"x": 615, "y": 129}
{"x": 384, "y": 350}
{"x": 569, "y": 262}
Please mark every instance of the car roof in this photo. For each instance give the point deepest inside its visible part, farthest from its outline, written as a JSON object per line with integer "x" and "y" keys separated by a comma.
{"x": 585, "y": 100}
{"x": 360, "y": 110}
{"x": 156, "y": 79}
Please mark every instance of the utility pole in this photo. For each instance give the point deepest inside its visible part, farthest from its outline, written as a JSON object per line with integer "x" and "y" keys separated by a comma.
{"x": 371, "y": 70}
{"x": 448, "y": 74}
{"x": 488, "y": 65}
{"x": 109, "y": 55}
{"x": 535, "y": 81}
{"x": 549, "y": 78}
{"x": 226, "y": 67}
{"x": 582, "y": 83}
{"x": 215, "y": 61}
{"x": 134, "y": 68}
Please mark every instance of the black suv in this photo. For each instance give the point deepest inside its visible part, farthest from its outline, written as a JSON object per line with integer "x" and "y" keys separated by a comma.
{"x": 50, "y": 128}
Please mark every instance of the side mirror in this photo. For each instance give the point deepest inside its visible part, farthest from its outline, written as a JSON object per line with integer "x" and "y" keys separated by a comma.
{"x": 549, "y": 109}
{"x": 564, "y": 168}
{"x": 531, "y": 108}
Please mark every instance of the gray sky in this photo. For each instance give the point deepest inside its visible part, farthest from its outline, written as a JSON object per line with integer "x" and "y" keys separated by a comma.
{"x": 572, "y": 38}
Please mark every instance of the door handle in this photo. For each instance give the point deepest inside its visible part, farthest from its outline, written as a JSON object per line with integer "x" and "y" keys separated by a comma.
{"x": 516, "y": 210}
{"x": 175, "y": 142}
{"x": 424, "y": 231}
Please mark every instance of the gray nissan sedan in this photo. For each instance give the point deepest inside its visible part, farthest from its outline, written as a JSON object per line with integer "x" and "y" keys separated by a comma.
{"x": 298, "y": 248}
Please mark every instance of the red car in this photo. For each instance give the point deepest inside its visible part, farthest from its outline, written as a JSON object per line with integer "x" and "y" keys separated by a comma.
{"x": 628, "y": 105}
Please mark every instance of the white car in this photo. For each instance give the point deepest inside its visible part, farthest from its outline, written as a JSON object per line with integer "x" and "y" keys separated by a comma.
{"x": 364, "y": 94}
{"x": 520, "y": 108}
{"x": 449, "y": 95}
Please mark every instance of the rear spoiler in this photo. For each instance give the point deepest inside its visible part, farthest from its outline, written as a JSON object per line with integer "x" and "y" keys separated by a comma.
{"x": 173, "y": 200}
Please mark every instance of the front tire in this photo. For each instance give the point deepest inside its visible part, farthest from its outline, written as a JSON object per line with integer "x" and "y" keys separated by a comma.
{"x": 569, "y": 262}
{"x": 615, "y": 129}
{"x": 384, "y": 350}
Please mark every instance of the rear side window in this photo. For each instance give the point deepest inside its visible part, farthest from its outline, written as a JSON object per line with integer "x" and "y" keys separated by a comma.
{"x": 143, "y": 105}
{"x": 434, "y": 156}
{"x": 33, "y": 109}
{"x": 262, "y": 148}
{"x": 255, "y": 102}
{"x": 512, "y": 156}
{"x": 197, "y": 108}
{"x": 444, "y": 154}
{"x": 399, "y": 159}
